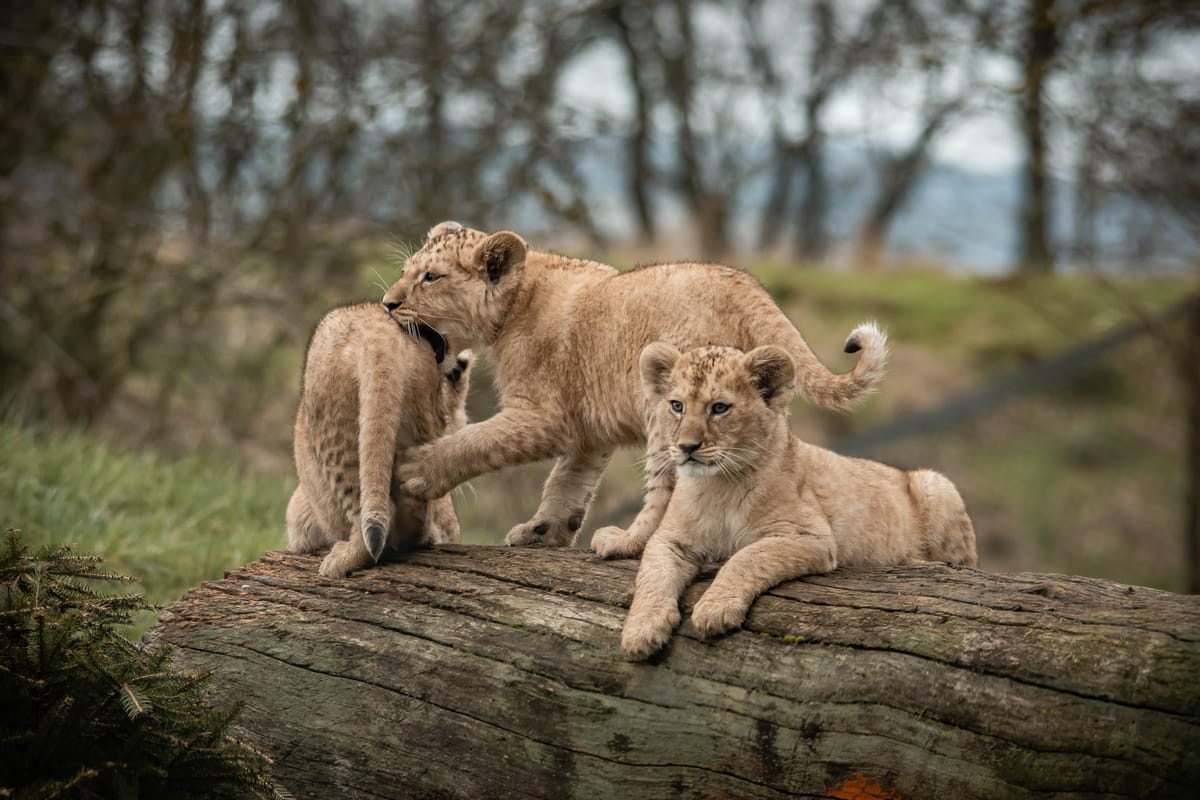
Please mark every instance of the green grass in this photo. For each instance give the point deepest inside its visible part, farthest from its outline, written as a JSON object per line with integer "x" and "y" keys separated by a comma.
{"x": 168, "y": 524}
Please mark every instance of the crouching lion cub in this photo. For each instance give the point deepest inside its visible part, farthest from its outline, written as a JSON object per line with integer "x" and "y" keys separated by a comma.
{"x": 749, "y": 491}
{"x": 368, "y": 391}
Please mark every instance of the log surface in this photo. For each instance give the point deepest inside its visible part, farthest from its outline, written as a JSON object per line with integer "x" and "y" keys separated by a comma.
{"x": 480, "y": 672}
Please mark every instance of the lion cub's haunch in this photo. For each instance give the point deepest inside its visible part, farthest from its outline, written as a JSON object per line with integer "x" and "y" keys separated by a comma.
{"x": 369, "y": 390}
{"x": 749, "y": 491}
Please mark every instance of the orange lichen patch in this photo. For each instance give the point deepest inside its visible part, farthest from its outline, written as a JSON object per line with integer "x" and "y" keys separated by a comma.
{"x": 860, "y": 787}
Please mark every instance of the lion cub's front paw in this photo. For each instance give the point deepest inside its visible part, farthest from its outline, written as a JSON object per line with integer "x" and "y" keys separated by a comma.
{"x": 415, "y": 479}
{"x": 613, "y": 542}
{"x": 645, "y": 634}
{"x": 712, "y": 616}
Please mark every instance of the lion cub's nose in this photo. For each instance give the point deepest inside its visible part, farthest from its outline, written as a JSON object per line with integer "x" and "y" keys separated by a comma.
{"x": 392, "y": 305}
{"x": 689, "y": 448}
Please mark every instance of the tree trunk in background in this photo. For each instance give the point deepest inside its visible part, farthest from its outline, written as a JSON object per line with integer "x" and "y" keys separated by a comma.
{"x": 1191, "y": 384}
{"x": 1041, "y": 44}
{"x": 433, "y": 200}
{"x": 707, "y": 203}
{"x": 812, "y": 239}
{"x": 625, "y": 17}
{"x": 497, "y": 672}
{"x": 900, "y": 176}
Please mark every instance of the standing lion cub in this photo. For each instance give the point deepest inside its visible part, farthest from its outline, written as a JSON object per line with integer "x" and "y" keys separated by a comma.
{"x": 369, "y": 390}
{"x": 564, "y": 336}
{"x": 749, "y": 491}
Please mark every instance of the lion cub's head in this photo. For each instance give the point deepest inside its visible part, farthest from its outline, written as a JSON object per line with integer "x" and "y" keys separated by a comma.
{"x": 722, "y": 410}
{"x": 460, "y": 282}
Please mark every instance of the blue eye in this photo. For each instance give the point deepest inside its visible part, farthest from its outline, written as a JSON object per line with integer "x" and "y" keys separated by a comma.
{"x": 677, "y": 406}
{"x": 719, "y": 408}
{"x": 430, "y": 277}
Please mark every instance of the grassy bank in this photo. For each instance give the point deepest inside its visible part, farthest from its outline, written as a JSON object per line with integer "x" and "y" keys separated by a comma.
{"x": 170, "y": 524}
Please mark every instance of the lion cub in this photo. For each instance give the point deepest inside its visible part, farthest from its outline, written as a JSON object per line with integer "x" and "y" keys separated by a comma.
{"x": 368, "y": 391}
{"x": 749, "y": 491}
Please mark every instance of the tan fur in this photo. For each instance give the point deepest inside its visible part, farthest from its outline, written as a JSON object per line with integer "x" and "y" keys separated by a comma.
{"x": 772, "y": 507}
{"x": 564, "y": 336}
{"x": 369, "y": 390}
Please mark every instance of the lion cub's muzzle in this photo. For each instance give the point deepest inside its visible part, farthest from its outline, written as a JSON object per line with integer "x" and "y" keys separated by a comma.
{"x": 399, "y": 312}
{"x": 689, "y": 453}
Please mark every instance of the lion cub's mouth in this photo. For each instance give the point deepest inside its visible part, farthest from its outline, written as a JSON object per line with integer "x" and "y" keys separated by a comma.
{"x": 688, "y": 464}
{"x": 404, "y": 316}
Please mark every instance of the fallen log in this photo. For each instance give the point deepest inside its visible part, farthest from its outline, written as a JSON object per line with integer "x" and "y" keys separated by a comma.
{"x": 481, "y": 672}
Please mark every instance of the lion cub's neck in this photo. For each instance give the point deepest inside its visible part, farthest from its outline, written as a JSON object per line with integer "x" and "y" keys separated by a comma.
{"x": 549, "y": 286}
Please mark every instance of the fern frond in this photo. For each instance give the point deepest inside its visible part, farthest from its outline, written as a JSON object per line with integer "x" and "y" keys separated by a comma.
{"x": 133, "y": 705}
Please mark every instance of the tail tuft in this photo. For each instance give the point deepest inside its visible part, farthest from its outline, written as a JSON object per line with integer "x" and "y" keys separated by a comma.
{"x": 842, "y": 392}
{"x": 374, "y": 535}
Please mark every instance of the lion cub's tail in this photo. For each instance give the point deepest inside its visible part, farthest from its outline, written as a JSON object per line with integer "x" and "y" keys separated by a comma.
{"x": 841, "y": 392}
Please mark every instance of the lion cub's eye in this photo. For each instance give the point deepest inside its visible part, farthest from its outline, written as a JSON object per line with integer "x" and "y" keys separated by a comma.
{"x": 430, "y": 277}
{"x": 718, "y": 408}
{"x": 677, "y": 406}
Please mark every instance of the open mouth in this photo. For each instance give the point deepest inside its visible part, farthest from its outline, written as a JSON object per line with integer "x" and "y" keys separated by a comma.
{"x": 421, "y": 330}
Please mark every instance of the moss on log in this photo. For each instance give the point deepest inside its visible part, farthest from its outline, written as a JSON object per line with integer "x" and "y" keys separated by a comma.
{"x": 495, "y": 672}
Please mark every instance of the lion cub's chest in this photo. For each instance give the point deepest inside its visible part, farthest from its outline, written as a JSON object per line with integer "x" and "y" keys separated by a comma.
{"x": 718, "y": 521}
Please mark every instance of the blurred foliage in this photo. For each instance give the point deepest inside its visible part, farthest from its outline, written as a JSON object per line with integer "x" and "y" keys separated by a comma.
{"x": 182, "y": 183}
{"x": 89, "y": 714}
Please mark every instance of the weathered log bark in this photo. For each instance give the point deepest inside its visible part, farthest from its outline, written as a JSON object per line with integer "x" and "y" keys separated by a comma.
{"x": 496, "y": 672}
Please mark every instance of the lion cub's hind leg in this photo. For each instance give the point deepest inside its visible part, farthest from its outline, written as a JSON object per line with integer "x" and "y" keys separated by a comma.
{"x": 565, "y": 500}
{"x": 304, "y": 533}
{"x": 441, "y": 525}
{"x": 946, "y": 531}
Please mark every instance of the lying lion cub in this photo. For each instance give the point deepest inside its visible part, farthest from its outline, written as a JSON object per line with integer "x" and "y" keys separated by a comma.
{"x": 369, "y": 390}
{"x": 751, "y": 492}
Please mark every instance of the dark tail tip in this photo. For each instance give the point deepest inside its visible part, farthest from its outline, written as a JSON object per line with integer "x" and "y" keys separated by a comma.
{"x": 375, "y": 538}
{"x": 852, "y": 346}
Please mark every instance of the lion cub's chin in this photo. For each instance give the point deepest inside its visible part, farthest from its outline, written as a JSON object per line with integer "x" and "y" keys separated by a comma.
{"x": 696, "y": 469}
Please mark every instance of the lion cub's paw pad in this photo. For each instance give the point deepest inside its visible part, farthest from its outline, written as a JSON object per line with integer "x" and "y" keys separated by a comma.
{"x": 547, "y": 532}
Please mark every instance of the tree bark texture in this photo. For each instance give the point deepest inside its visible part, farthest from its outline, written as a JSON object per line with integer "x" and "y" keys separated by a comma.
{"x": 497, "y": 672}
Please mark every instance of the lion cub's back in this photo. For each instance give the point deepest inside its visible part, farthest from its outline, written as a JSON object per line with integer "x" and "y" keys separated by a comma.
{"x": 361, "y": 342}
{"x": 352, "y": 346}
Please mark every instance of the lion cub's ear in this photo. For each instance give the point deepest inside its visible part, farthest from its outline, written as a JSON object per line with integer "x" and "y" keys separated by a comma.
{"x": 656, "y": 362}
{"x": 499, "y": 253}
{"x": 442, "y": 228}
{"x": 772, "y": 371}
